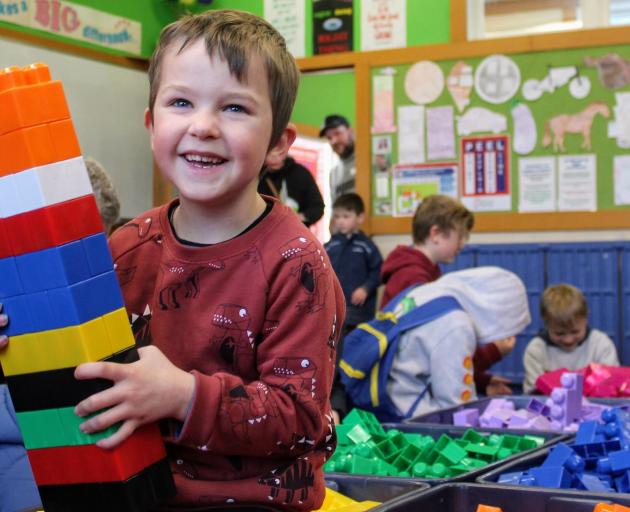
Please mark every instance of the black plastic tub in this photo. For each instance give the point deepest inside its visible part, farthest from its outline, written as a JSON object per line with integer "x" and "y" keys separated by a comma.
{"x": 373, "y": 489}
{"x": 445, "y": 416}
{"x": 465, "y": 497}
{"x": 435, "y": 431}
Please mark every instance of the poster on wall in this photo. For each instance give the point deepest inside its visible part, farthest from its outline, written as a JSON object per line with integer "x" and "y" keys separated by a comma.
{"x": 381, "y": 174}
{"x": 621, "y": 170}
{"x": 412, "y": 183}
{"x": 287, "y": 16}
{"x": 383, "y": 24}
{"x": 383, "y": 104}
{"x": 77, "y": 22}
{"x": 332, "y": 26}
{"x": 486, "y": 173}
{"x": 577, "y": 184}
{"x": 537, "y": 184}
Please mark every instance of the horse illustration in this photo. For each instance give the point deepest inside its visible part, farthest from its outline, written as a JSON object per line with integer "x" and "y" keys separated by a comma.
{"x": 574, "y": 123}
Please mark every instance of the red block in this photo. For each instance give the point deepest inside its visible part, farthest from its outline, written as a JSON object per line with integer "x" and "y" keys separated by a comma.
{"x": 91, "y": 464}
{"x": 5, "y": 246}
{"x": 54, "y": 225}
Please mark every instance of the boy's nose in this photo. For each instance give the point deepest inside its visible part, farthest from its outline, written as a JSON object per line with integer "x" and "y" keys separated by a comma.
{"x": 204, "y": 125}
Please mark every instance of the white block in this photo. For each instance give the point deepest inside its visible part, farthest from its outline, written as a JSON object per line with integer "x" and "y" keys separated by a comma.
{"x": 9, "y": 197}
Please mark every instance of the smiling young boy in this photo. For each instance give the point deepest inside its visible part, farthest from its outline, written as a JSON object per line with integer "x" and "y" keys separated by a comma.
{"x": 566, "y": 341}
{"x": 235, "y": 297}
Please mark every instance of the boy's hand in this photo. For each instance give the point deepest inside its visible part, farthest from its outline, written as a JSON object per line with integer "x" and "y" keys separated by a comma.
{"x": 145, "y": 391}
{"x": 358, "y": 296}
{"x": 505, "y": 346}
{"x": 498, "y": 386}
{"x": 4, "y": 320}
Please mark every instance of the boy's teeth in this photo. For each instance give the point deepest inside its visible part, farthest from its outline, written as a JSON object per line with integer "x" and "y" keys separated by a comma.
{"x": 204, "y": 159}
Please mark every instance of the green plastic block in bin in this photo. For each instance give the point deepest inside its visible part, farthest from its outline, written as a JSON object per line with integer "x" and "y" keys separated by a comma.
{"x": 366, "y": 419}
{"x": 358, "y": 435}
{"x": 48, "y": 428}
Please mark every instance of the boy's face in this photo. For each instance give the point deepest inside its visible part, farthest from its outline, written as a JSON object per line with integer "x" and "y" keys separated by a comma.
{"x": 210, "y": 133}
{"x": 567, "y": 338}
{"x": 448, "y": 244}
{"x": 345, "y": 221}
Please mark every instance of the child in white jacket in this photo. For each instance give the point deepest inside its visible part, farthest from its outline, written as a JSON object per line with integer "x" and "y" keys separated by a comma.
{"x": 436, "y": 358}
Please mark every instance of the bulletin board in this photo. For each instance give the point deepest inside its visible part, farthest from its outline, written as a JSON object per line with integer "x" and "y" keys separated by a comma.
{"x": 450, "y": 126}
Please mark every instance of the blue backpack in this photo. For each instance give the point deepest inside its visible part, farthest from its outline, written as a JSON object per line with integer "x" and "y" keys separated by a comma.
{"x": 369, "y": 351}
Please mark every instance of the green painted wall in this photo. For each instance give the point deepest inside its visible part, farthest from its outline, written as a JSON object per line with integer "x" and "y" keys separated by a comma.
{"x": 325, "y": 93}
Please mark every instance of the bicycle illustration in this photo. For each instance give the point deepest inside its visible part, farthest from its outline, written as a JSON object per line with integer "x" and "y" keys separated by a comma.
{"x": 579, "y": 86}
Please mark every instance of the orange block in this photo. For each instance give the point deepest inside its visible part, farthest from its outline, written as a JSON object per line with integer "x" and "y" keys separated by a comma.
{"x": 38, "y": 145}
{"x": 486, "y": 508}
{"x": 28, "y": 97}
{"x": 610, "y": 507}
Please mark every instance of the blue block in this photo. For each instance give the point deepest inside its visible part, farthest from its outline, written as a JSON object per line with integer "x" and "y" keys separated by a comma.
{"x": 615, "y": 462}
{"x": 563, "y": 456}
{"x": 510, "y": 478}
{"x": 41, "y": 312}
{"x": 622, "y": 482}
{"x": 590, "y": 482}
{"x": 97, "y": 296}
{"x": 555, "y": 477}
{"x": 52, "y": 268}
{"x": 10, "y": 284}
{"x": 97, "y": 253}
{"x": 19, "y": 316}
{"x": 589, "y": 432}
{"x": 64, "y": 310}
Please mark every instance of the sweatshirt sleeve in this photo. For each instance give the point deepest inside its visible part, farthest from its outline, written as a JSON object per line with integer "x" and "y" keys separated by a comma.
{"x": 375, "y": 261}
{"x": 605, "y": 353}
{"x": 289, "y": 399}
{"x": 534, "y": 363}
{"x": 312, "y": 206}
{"x": 485, "y": 356}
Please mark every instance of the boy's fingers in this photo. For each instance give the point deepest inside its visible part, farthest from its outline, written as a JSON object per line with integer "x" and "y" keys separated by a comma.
{"x": 502, "y": 380}
{"x": 4, "y": 341}
{"x": 104, "y": 420}
{"x": 4, "y": 319}
{"x": 96, "y": 402}
{"x": 100, "y": 370}
{"x": 126, "y": 429}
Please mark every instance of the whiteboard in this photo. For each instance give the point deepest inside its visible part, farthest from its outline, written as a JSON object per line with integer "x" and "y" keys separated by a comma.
{"x": 107, "y": 105}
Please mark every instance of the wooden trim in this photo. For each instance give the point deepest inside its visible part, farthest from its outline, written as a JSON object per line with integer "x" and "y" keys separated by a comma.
{"x": 513, "y": 222}
{"x": 459, "y": 21}
{"x": 363, "y": 87}
{"x": 307, "y": 130}
{"x": 329, "y": 61}
{"x": 137, "y": 63}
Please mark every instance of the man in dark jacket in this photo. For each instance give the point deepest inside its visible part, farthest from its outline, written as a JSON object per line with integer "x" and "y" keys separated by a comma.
{"x": 294, "y": 186}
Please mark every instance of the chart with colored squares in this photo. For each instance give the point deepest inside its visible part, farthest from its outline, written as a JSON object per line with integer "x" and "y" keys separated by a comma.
{"x": 64, "y": 304}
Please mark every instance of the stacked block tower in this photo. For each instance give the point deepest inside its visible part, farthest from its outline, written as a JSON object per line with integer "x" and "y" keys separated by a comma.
{"x": 59, "y": 288}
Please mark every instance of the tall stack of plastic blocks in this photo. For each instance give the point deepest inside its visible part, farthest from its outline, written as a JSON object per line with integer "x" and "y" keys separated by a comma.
{"x": 60, "y": 291}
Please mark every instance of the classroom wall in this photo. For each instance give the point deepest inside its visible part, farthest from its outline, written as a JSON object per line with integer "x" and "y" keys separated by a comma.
{"x": 107, "y": 105}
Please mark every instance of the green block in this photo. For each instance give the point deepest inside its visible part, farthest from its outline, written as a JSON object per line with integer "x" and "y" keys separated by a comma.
{"x": 362, "y": 466}
{"x": 537, "y": 439}
{"x": 358, "y": 435}
{"x": 49, "y": 428}
{"x": 483, "y": 452}
{"x": 366, "y": 419}
{"x": 342, "y": 434}
{"x": 526, "y": 444}
{"x": 472, "y": 436}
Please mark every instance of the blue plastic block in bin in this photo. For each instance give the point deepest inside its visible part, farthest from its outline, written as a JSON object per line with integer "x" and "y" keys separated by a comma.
{"x": 465, "y": 497}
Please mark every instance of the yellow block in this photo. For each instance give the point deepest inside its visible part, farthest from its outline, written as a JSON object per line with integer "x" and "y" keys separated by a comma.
{"x": 337, "y": 502}
{"x": 67, "y": 347}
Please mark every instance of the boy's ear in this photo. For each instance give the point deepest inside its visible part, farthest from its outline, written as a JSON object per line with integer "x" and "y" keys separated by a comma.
{"x": 360, "y": 218}
{"x": 434, "y": 231}
{"x": 148, "y": 124}
{"x": 279, "y": 151}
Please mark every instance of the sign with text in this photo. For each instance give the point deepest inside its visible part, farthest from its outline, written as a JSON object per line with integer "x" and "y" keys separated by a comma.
{"x": 76, "y": 22}
{"x": 332, "y": 26}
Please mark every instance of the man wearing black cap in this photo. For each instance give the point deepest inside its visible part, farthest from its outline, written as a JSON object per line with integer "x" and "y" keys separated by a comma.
{"x": 337, "y": 130}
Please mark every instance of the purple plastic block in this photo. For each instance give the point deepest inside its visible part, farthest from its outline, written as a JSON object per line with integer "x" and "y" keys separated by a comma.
{"x": 538, "y": 406}
{"x": 468, "y": 417}
{"x": 566, "y": 401}
{"x": 519, "y": 419}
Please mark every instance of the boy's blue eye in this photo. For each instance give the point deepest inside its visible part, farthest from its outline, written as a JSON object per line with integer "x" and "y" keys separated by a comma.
{"x": 179, "y": 102}
{"x": 235, "y": 108}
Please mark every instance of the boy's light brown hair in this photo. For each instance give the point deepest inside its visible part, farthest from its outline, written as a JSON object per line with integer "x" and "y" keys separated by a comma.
{"x": 235, "y": 37}
{"x": 561, "y": 305}
{"x": 442, "y": 211}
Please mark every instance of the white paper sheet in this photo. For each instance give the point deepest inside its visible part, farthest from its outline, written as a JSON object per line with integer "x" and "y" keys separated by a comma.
{"x": 537, "y": 184}
{"x": 621, "y": 167}
{"x": 411, "y": 134}
{"x": 577, "y": 184}
{"x": 383, "y": 24}
{"x": 440, "y": 133}
{"x": 287, "y": 16}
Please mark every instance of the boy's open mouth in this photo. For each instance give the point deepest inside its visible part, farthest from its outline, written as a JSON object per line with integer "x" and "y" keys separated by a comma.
{"x": 204, "y": 161}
